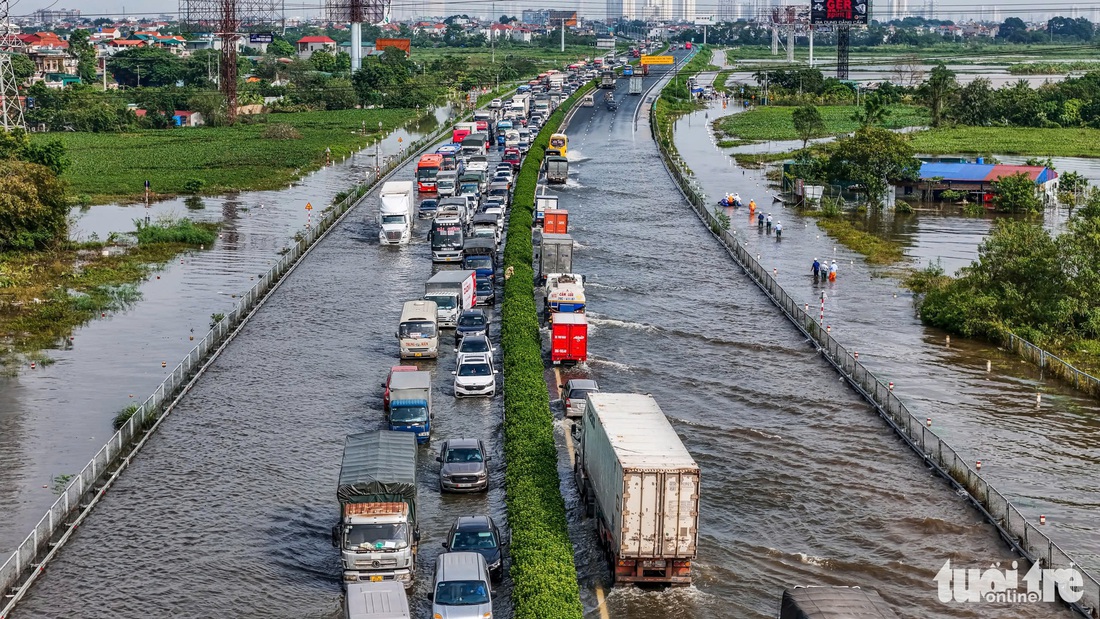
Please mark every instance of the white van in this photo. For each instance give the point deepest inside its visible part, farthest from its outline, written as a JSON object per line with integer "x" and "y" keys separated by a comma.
{"x": 418, "y": 331}
{"x": 376, "y": 600}
{"x": 461, "y": 587}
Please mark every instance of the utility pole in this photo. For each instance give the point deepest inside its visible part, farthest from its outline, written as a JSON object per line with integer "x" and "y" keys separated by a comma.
{"x": 563, "y": 34}
{"x": 493, "y": 39}
{"x": 11, "y": 110}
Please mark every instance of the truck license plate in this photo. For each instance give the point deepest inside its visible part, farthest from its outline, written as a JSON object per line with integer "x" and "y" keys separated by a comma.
{"x": 376, "y": 579}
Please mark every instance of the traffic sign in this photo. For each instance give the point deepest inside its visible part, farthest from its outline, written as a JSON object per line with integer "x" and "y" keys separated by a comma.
{"x": 309, "y": 207}
{"x": 658, "y": 60}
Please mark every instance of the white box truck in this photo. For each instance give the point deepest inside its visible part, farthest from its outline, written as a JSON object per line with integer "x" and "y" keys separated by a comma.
{"x": 641, "y": 485}
{"x": 376, "y": 600}
{"x": 452, "y": 291}
{"x": 396, "y": 210}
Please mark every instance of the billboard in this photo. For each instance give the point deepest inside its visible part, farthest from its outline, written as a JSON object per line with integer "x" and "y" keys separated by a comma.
{"x": 261, "y": 37}
{"x": 839, "y": 11}
{"x": 605, "y": 43}
{"x": 647, "y": 60}
{"x": 404, "y": 45}
{"x": 570, "y": 18}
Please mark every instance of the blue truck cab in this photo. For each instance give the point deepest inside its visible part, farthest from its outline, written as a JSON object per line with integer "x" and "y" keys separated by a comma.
{"x": 479, "y": 255}
{"x": 411, "y": 404}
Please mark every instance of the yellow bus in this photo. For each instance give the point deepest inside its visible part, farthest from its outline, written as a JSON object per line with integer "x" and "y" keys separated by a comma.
{"x": 559, "y": 142}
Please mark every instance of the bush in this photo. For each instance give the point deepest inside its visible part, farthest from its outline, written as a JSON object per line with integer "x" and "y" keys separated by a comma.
{"x": 281, "y": 131}
{"x": 194, "y": 185}
{"x": 33, "y": 208}
{"x": 182, "y": 231}
{"x": 124, "y": 415}
{"x": 543, "y": 572}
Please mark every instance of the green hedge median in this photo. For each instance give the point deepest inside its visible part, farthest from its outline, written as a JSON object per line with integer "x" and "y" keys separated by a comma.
{"x": 543, "y": 572}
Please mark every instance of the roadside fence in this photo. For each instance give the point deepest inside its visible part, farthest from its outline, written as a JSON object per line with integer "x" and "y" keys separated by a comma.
{"x": 1047, "y": 362}
{"x": 1024, "y": 536}
{"x": 84, "y": 490}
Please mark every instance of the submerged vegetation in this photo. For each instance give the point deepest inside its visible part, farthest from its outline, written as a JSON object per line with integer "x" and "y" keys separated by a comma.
{"x": 775, "y": 123}
{"x": 45, "y": 294}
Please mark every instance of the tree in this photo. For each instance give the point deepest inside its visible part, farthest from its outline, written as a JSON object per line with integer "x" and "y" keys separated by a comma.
{"x": 1013, "y": 30}
{"x": 874, "y": 111}
{"x": 975, "y": 104}
{"x": 873, "y": 157}
{"x": 145, "y": 66}
{"x": 281, "y": 48}
{"x": 323, "y": 60}
{"x": 81, "y": 49}
{"x": 937, "y": 92}
{"x": 23, "y": 67}
{"x": 1073, "y": 182}
{"x": 343, "y": 63}
{"x": 33, "y": 209}
{"x": 1016, "y": 194}
{"x": 808, "y": 123}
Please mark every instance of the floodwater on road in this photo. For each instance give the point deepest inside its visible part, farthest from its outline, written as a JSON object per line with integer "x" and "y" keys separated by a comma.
{"x": 1043, "y": 457}
{"x": 801, "y": 483}
{"x": 54, "y": 418}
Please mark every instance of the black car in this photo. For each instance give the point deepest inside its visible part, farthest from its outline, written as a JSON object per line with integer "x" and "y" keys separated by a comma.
{"x": 478, "y": 534}
{"x": 486, "y": 295}
{"x": 428, "y": 208}
{"x": 471, "y": 322}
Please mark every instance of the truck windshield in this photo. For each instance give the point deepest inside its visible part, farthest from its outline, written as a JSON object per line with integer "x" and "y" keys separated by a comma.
{"x": 443, "y": 302}
{"x": 447, "y": 236}
{"x": 462, "y": 454}
{"x": 408, "y": 414}
{"x": 393, "y": 219}
{"x": 416, "y": 329}
{"x": 477, "y": 262}
{"x": 377, "y": 536}
{"x": 461, "y": 593}
{"x": 468, "y": 189}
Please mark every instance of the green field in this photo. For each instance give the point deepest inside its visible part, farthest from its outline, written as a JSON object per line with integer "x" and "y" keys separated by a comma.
{"x": 774, "y": 123}
{"x": 1025, "y": 141}
{"x": 114, "y": 166}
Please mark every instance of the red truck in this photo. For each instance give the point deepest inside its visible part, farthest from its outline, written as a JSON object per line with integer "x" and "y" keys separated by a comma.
{"x": 568, "y": 338}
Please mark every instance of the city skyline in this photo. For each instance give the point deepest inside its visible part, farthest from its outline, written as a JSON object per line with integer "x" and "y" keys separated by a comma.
{"x": 956, "y": 10}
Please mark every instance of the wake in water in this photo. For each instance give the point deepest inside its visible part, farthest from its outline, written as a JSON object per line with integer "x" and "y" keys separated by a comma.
{"x": 596, "y": 320}
{"x": 608, "y": 363}
{"x": 574, "y": 156}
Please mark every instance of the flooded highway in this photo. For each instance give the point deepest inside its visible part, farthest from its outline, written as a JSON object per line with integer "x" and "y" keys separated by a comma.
{"x": 228, "y": 508}
{"x": 1044, "y": 458}
{"x": 801, "y": 482}
{"x": 54, "y": 418}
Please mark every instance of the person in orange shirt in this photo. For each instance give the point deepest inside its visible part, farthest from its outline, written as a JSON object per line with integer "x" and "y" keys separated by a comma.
{"x": 752, "y": 207}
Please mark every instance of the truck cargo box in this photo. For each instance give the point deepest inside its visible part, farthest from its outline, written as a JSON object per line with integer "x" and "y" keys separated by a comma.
{"x": 556, "y": 222}
{"x": 568, "y": 338}
{"x": 646, "y": 484}
{"x": 834, "y": 602}
{"x": 378, "y": 466}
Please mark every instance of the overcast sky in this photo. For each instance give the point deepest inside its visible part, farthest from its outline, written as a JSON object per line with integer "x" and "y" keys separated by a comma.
{"x": 944, "y": 9}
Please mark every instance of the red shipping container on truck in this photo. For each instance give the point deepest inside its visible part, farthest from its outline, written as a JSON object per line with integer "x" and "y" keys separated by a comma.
{"x": 556, "y": 221}
{"x": 568, "y": 337}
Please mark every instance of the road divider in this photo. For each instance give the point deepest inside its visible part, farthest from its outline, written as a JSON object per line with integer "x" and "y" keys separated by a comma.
{"x": 543, "y": 572}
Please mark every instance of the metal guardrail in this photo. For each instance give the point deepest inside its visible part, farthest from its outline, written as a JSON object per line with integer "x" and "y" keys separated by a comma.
{"x": 85, "y": 489}
{"x": 1024, "y": 536}
{"x": 1055, "y": 365}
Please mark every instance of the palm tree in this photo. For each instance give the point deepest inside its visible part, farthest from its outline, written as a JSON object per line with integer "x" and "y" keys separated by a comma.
{"x": 874, "y": 111}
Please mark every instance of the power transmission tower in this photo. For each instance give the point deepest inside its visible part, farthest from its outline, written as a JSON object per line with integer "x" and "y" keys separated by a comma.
{"x": 228, "y": 20}
{"x": 357, "y": 13}
{"x": 11, "y": 110}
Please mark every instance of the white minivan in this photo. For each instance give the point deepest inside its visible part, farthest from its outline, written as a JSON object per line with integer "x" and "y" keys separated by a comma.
{"x": 376, "y": 600}
{"x": 461, "y": 587}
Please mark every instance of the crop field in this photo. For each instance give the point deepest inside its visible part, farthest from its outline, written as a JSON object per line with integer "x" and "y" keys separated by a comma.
{"x": 774, "y": 123}
{"x": 1077, "y": 142}
{"x": 113, "y": 166}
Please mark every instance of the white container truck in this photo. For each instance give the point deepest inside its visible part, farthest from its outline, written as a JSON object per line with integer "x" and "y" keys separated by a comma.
{"x": 642, "y": 487}
{"x": 452, "y": 291}
{"x": 396, "y": 210}
{"x": 376, "y": 600}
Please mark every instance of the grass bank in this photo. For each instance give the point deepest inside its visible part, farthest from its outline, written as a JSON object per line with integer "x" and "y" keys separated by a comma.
{"x": 851, "y": 233}
{"x": 1027, "y": 141}
{"x": 45, "y": 295}
{"x": 774, "y": 123}
{"x": 108, "y": 167}
{"x": 543, "y": 572}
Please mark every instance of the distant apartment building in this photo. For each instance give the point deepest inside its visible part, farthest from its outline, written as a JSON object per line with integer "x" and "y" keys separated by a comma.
{"x": 621, "y": 9}
{"x": 535, "y": 17}
{"x": 55, "y": 16}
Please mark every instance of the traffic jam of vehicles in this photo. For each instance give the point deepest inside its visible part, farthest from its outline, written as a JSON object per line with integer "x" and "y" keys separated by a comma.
{"x": 458, "y": 199}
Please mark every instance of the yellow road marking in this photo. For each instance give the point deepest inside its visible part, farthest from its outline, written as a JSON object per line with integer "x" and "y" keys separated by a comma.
{"x": 600, "y": 600}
